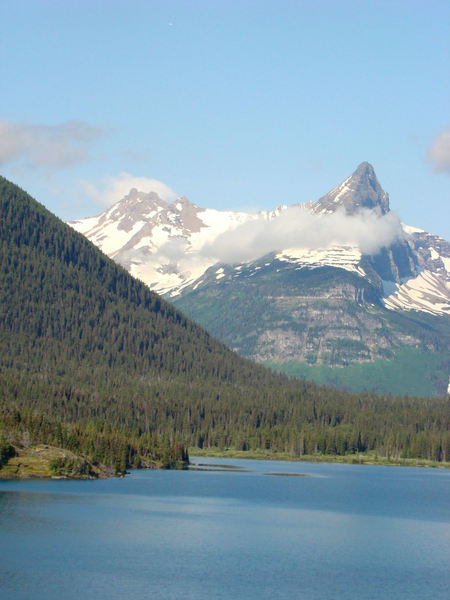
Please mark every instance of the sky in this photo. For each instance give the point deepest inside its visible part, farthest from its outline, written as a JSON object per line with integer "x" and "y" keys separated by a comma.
{"x": 235, "y": 104}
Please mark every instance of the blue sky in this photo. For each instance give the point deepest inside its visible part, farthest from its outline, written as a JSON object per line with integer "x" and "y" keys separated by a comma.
{"x": 234, "y": 104}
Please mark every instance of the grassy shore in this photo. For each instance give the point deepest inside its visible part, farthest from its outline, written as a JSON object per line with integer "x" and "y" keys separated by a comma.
{"x": 47, "y": 462}
{"x": 351, "y": 459}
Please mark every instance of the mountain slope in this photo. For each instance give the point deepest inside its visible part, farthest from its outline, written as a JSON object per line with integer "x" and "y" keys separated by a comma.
{"x": 291, "y": 318}
{"x": 334, "y": 314}
{"x": 75, "y": 305}
{"x": 92, "y": 361}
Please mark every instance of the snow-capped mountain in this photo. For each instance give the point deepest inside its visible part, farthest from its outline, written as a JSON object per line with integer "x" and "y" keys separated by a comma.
{"x": 310, "y": 289}
{"x": 171, "y": 246}
{"x": 161, "y": 242}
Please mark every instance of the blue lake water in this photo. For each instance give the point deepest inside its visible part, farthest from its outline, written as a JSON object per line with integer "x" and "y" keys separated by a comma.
{"x": 343, "y": 532}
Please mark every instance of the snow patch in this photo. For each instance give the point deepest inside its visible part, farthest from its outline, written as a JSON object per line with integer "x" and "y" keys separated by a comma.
{"x": 347, "y": 258}
{"x": 410, "y": 230}
{"x": 446, "y": 261}
{"x": 427, "y": 292}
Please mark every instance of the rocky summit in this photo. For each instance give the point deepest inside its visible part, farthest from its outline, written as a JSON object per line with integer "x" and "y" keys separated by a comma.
{"x": 359, "y": 190}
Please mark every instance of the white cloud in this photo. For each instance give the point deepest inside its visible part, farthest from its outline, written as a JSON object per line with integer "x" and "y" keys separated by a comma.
{"x": 296, "y": 228}
{"x": 46, "y": 146}
{"x": 111, "y": 189}
{"x": 293, "y": 228}
{"x": 439, "y": 151}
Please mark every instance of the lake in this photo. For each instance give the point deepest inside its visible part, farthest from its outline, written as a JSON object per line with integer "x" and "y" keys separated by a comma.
{"x": 253, "y": 531}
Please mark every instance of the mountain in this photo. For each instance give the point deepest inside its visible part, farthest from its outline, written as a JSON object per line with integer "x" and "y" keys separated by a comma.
{"x": 365, "y": 312}
{"x": 160, "y": 242}
{"x": 93, "y": 362}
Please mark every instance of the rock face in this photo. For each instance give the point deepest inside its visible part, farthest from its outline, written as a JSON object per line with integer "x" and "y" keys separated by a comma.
{"x": 328, "y": 305}
{"x": 275, "y": 311}
{"x": 360, "y": 190}
{"x": 428, "y": 290}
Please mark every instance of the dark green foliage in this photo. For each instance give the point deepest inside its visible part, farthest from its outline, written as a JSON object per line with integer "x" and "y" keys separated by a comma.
{"x": 6, "y": 450}
{"x": 75, "y": 467}
{"x": 117, "y": 449}
{"x": 92, "y": 361}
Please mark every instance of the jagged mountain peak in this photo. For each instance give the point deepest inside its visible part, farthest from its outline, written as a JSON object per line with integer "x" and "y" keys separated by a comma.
{"x": 138, "y": 208}
{"x": 365, "y": 169}
{"x": 360, "y": 190}
{"x": 137, "y": 203}
{"x": 146, "y": 205}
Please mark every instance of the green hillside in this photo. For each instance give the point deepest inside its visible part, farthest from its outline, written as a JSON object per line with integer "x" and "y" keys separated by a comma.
{"x": 326, "y": 324}
{"x": 94, "y": 362}
{"x": 422, "y": 371}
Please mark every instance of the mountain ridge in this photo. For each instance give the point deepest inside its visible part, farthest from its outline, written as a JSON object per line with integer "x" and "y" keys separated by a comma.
{"x": 164, "y": 244}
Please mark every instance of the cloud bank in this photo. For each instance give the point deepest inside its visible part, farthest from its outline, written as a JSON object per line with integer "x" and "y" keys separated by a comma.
{"x": 111, "y": 189}
{"x": 293, "y": 228}
{"x": 46, "y": 146}
{"x": 439, "y": 152}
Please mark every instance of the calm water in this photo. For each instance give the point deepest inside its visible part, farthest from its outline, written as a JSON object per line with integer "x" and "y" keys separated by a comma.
{"x": 344, "y": 532}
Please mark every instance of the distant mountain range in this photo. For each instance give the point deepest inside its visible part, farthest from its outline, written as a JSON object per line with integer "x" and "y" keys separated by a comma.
{"x": 337, "y": 290}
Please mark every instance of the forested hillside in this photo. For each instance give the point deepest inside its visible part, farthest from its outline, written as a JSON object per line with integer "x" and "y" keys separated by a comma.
{"x": 93, "y": 361}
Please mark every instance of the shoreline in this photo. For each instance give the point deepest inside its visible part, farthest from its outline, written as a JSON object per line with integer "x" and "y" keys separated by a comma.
{"x": 42, "y": 461}
{"x": 349, "y": 459}
{"x": 34, "y": 464}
